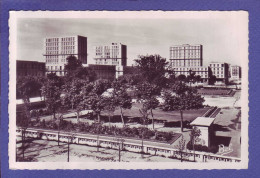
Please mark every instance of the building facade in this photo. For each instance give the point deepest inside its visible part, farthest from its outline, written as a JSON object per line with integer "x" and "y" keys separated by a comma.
{"x": 188, "y": 58}
{"x": 186, "y": 55}
{"x": 114, "y": 54}
{"x": 103, "y": 71}
{"x": 235, "y": 72}
{"x": 220, "y": 70}
{"x": 203, "y": 72}
{"x": 30, "y": 68}
{"x": 57, "y": 49}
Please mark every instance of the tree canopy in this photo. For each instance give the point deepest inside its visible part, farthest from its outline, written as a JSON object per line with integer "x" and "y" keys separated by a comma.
{"x": 184, "y": 98}
{"x": 154, "y": 69}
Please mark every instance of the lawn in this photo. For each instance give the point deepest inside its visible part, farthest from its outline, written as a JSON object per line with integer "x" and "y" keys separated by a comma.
{"x": 204, "y": 91}
{"x": 159, "y": 114}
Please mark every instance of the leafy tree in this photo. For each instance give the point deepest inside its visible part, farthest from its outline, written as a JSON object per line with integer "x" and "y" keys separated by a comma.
{"x": 52, "y": 95}
{"x": 198, "y": 78}
{"x": 131, "y": 79}
{"x": 26, "y": 87}
{"x": 110, "y": 106}
{"x": 95, "y": 100}
{"x": 185, "y": 98}
{"x": 191, "y": 78}
{"x": 194, "y": 135}
{"x": 182, "y": 78}
{"x": 181, "y": 146}
{"x": 74, "y": 69}
{"x": 146, "y": 94}
{"x": 154, "y": 69}
{"x": 73, "y": 96}
{"x": 152, "y": 103}
{"x": 212, "y": 79}
{"x": 56, "y": 80}
{"x": 120, "y": 97}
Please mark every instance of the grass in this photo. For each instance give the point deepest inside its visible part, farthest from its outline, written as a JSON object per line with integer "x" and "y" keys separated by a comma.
{"x": 159, "y": 114}
{"x": 214, "y": 91}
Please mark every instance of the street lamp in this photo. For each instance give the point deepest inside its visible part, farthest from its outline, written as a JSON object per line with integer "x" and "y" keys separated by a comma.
{"x": 120, "y": 141}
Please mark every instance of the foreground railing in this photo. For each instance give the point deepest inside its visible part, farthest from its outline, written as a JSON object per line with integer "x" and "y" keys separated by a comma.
{"x": 138, "y": 146}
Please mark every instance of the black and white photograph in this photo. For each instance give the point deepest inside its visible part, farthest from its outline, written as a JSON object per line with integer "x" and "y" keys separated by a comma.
{"x": 128, "y": 90}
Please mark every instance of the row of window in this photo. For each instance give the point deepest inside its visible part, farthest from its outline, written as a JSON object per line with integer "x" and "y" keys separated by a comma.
{"x": 216, "y": 65}
{"x": 52, "y": 39}
{"x": 55, "y": 68}
{"x": 52, "y": 44}
{"x": 187, "y": 73}
{"x": 193, "y": 69}
{"x": 217, "y": 72}
{"x": 186, "y": 48}
{"x": 68, "y": 39}
{"x": 52, "y": 48}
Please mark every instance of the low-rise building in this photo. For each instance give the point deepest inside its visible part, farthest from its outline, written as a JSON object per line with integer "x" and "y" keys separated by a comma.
{"x": 220, "y": 70}
{"x": 30, "y": 68}
{"x": 104, "y": 71}
{"x": 202, "y": 71}
{"x": 235, "y": 72}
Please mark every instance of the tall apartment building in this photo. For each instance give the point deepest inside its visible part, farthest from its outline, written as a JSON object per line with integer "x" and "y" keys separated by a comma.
{"x": 220, "y": 70}
{"x": 186, "y": 55}
{"x": 188, "y": 58}
{"x": 57, "y": 49}
{"x": 235, "y": 72}
{"x": 114, "y": 54}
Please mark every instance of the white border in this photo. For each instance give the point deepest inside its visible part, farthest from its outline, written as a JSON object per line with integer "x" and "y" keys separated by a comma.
{"x": 14, "y": 15}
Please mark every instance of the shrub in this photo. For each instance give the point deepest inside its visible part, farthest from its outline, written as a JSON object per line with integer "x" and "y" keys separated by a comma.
{"x": 212, "y": 149}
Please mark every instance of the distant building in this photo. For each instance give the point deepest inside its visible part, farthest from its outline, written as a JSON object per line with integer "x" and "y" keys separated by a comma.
{"x": 235, "y": 72}
{"x": 186, "y": 55}
{"x": 114, "y": 54}
{"x": 203, "y": 72}
{"x": 30, "y": 68}
{"x": 103, "y": 71}
{"x": 188, "y": 58}
{"x": 220, "y": 70}
{"x": 57, "y": 49}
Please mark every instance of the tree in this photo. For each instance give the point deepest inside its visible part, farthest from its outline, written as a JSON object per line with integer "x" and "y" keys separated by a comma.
{"x": 110, "y": 106}
{"x": 181, "y": 146}
{"x": 120, "y": 97}
{"x": 212, "y": 79}
{"x": 185, "y": 98}
{"x": 146, "y": 94}
{"x": 27, "y": 87}
{"x": 95, "y": 100}
{"x": 191, "y": 78}
{"x": 154, "y": 69}
{"x": 73, "y": 96}
{"x": 56, "y": 80}
{"x": 181, "y": 78}
{"x": 74, "y": 69}
{"x": 152, "y": 103}
{"x": 52, "y": 95}
{"x": 194, "y": 135}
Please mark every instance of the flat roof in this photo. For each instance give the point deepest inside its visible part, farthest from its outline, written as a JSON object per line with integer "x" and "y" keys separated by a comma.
{"x": 203, "y": 121}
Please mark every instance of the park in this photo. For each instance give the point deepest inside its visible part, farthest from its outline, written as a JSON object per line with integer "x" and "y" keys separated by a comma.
{"x": 76, "y": 104}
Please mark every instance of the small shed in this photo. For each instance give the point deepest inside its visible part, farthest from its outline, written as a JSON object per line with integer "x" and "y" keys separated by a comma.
{"x": 205, "y": 126}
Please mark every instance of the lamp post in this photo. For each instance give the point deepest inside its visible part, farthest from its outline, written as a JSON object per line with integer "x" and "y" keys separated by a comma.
{"x": 120, "y": 141}
{"x": 70, "y": 137}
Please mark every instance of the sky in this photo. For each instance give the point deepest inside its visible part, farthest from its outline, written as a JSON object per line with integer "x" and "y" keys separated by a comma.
{"x": 222, "y": 38}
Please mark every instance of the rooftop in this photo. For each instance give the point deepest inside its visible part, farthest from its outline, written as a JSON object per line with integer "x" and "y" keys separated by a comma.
{"x": 203, "y": 121}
